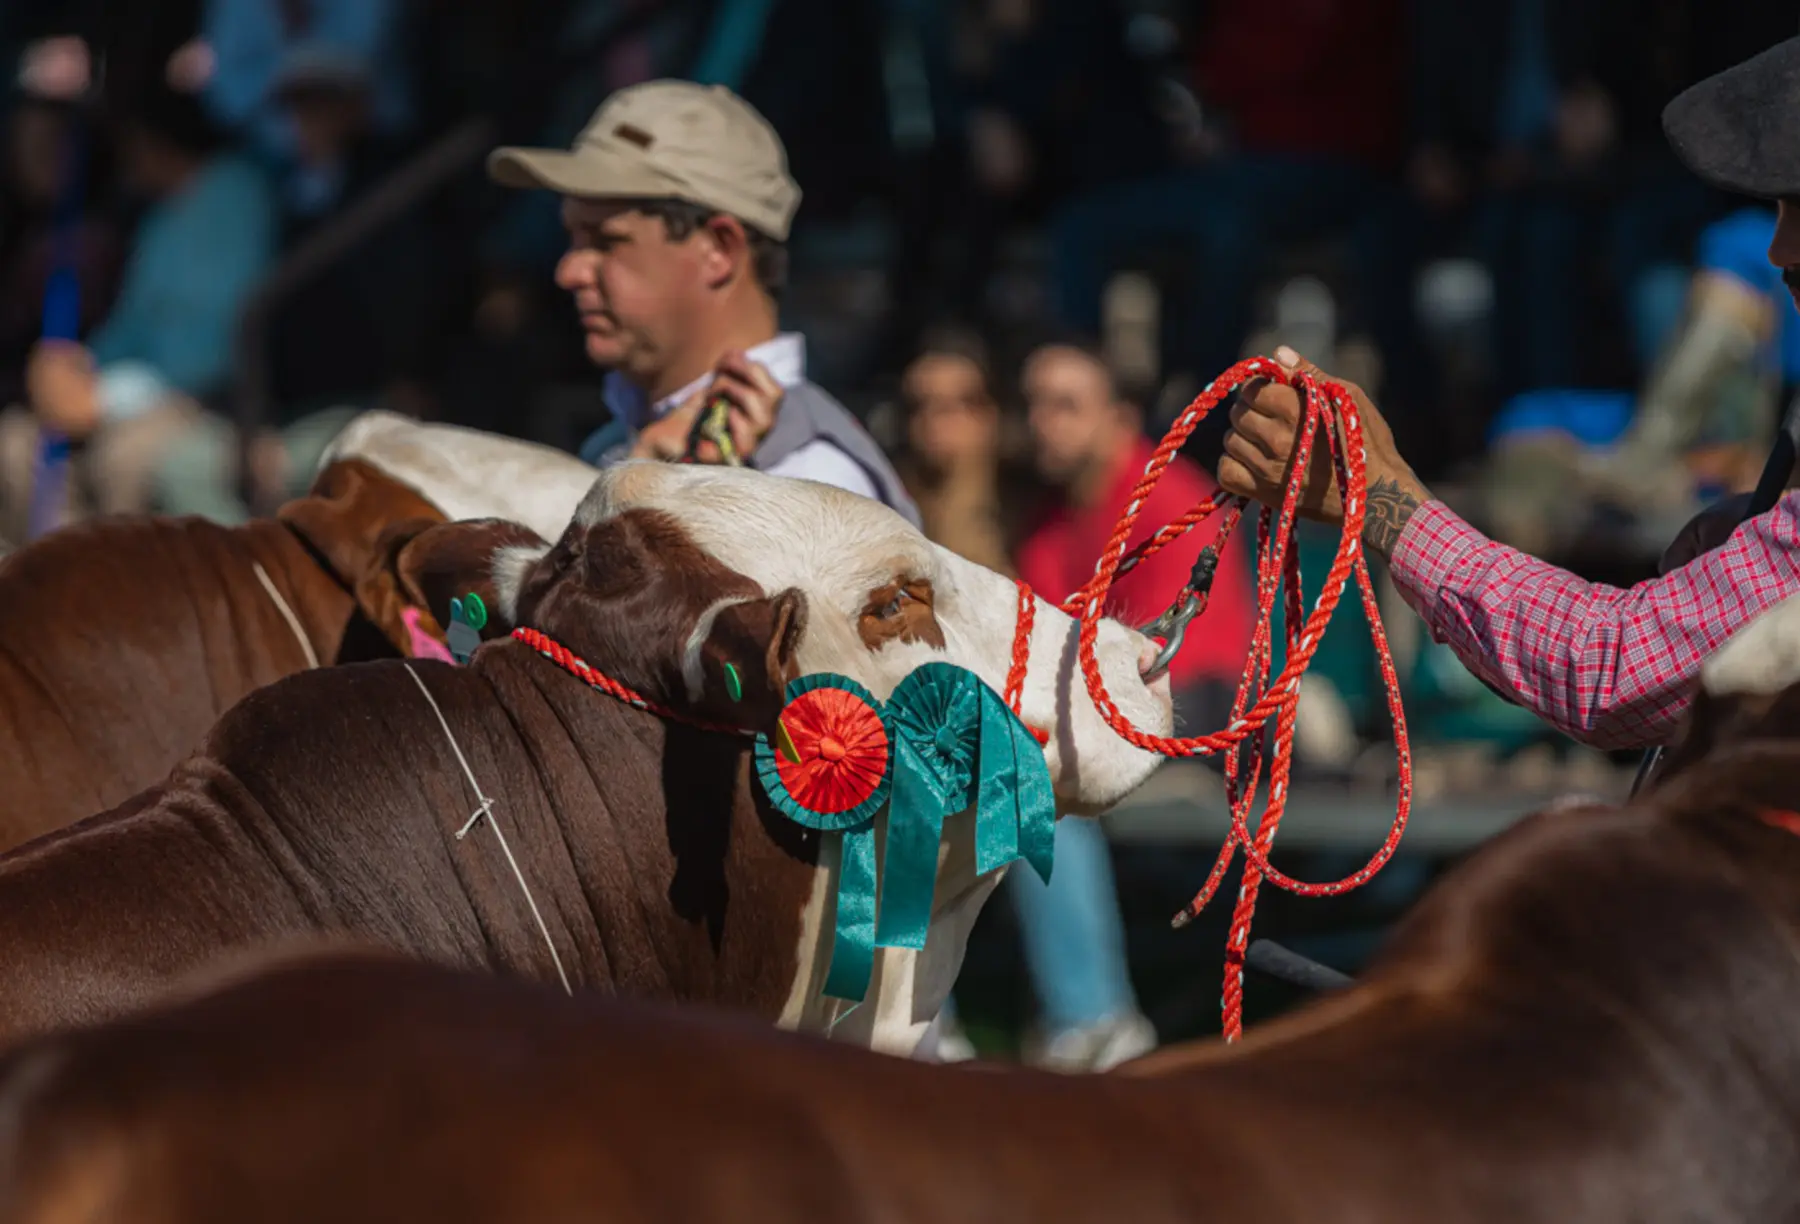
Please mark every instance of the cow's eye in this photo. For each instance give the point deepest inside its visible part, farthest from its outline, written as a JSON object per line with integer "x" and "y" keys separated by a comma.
{"x": 891, "y": 608}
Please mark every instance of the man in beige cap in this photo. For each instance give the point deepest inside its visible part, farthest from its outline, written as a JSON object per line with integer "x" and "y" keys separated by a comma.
{"x": 677, "y": 200}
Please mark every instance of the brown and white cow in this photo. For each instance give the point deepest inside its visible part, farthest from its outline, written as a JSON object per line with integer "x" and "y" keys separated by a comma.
{"x": 1590, "y": 1019}
{"x": 330, "y": 801}
{"x": 123, "y": 639}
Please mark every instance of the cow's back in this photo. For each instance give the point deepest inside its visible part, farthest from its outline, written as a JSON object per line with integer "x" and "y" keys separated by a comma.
{"x": 123, "y": 640}
{"x": 369, "y": 1091}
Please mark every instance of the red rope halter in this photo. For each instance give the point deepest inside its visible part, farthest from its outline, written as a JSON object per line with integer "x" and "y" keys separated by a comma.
{"x": 580, "y": 668}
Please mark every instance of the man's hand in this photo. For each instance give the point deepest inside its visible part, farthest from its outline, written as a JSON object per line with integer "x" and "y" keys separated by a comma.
{"x": 1259, "y": 451}
{"x": 754, "y": 399}
{"x": 64, "y": 390}
{"x": 1705, "y": 532}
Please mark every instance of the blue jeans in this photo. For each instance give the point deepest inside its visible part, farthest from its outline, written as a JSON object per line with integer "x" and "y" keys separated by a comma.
{"x": 1074, "y": 940}
{"x": 1073, "y": 935}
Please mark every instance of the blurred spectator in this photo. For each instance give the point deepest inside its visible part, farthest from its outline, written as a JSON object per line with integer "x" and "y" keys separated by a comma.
{"x": 956, "y": 459}
{"x": 1538, "y": 125}
{"x": 1291, "y": 145}
{"x": 349, "y": 338}
{"x": 244, "y": 45}
{"x": 138, "y": 384}
{"x": 1073, "y": 937}
{"x": 1707, "y": 413}
{"x": 1090, "y": 447}
{"x": 37, "y": 154}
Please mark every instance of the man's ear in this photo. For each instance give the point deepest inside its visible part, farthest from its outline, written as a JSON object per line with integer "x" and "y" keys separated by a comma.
{"x": 420, "y": 567}
{"x": 759, "y": 641}
{"x": 347, "y": 511}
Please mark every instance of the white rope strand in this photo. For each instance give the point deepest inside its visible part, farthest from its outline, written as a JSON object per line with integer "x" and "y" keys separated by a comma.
{"x": 486, "y": 809}
{"x": 287, "y": 614}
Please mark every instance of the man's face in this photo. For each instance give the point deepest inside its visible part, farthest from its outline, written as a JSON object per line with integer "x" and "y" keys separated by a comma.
{"x": 1072, "y": 412}
{"x": 1784, "y": 248}
{"x": 634, "y": 289}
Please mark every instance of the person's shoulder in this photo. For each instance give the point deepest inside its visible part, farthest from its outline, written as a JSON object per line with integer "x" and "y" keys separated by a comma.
{"x": 826, "y": 462}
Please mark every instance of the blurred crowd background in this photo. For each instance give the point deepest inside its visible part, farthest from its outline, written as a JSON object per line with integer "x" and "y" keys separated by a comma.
{"x": 249, "y": 219}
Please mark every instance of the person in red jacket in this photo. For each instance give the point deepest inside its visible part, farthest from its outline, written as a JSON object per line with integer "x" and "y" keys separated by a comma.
{"x": 1091, "y": 449}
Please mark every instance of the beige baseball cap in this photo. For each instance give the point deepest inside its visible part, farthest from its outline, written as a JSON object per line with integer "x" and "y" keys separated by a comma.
{"x": 669, "y": 140}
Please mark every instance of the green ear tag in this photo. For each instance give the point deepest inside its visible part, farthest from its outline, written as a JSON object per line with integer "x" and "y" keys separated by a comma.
{"x": 461, "y": 636}
{"x": 475, "y": 610}
{"x": 733, "y": 685}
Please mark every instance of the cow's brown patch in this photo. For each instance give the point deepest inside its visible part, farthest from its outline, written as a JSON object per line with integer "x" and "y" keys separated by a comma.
{"x": 901, "y": 612}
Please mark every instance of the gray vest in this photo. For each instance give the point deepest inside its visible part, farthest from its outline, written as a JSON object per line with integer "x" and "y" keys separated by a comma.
{"x": 807, "y": 414}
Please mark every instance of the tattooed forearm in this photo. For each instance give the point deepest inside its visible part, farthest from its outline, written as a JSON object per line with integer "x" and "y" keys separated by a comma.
{"x": 1391, "y": 506}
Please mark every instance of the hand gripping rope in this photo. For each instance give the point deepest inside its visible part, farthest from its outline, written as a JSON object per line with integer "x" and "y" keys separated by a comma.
{"x": 1259, "y": 698}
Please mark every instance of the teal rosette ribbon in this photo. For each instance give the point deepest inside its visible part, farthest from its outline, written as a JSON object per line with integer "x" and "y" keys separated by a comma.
{"x": 956, "y": 743}
{"x": 944, "y": 740}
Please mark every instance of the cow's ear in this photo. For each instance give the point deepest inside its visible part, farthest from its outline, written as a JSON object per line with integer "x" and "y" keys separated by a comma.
{"x": 348, "y": 511}
{"x": 747, "y": 658}
{"x": 420, "y": 567}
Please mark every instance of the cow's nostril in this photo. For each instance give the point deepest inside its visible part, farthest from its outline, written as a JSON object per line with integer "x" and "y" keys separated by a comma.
{"x": 1151, "y": 665}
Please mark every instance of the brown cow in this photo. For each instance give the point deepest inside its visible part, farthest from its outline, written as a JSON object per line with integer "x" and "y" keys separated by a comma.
{"x": 124, "y": 639}
{"x": 331, "y": 800}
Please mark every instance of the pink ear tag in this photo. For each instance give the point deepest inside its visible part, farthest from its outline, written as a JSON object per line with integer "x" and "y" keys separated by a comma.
{"x": 423, "y": 646}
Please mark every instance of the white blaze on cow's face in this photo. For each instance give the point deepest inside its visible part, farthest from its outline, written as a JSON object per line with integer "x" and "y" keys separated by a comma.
{"x": 468, "y": 473}
{"x": 882, "y": 599}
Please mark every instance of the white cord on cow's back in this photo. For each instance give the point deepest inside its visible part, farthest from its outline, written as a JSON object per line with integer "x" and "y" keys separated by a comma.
{"x": 486, "y": 808}
{"x": 287, "y": 614}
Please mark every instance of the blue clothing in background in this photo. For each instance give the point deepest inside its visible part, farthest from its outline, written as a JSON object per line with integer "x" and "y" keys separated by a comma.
{"x": 1738, "y": 245}
{"x": 1073, "y": 935}
{"x": 196, "y": 257}
{"x": 250, "y": 37}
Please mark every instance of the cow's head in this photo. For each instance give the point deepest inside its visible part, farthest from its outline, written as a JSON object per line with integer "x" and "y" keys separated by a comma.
{"x": 631, "y": 596}
{"x": 669, "y": 572}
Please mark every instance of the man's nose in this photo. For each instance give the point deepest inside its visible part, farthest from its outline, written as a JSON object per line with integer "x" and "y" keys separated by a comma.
{"x": 574, "y": 271}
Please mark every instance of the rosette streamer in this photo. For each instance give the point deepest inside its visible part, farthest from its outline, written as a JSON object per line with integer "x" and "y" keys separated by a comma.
{"x": 832, "y": 774}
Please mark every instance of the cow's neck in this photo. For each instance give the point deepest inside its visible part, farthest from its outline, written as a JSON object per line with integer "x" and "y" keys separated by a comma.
{"x": 907, "y": 988}
{"x": 717, "y": 883}
{"x": 322, "y": 604}
{"x": 738, "y": 871}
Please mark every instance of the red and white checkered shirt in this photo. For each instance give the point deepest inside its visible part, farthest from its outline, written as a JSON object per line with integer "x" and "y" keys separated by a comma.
{"x": 1610, "y": 667}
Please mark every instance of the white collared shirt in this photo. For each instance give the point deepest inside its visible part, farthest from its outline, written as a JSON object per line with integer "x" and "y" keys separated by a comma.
{"x": 785, "y": 359}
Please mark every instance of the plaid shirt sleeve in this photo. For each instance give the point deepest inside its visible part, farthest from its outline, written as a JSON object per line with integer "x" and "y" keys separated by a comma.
{"x": 1610, "y": 667}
